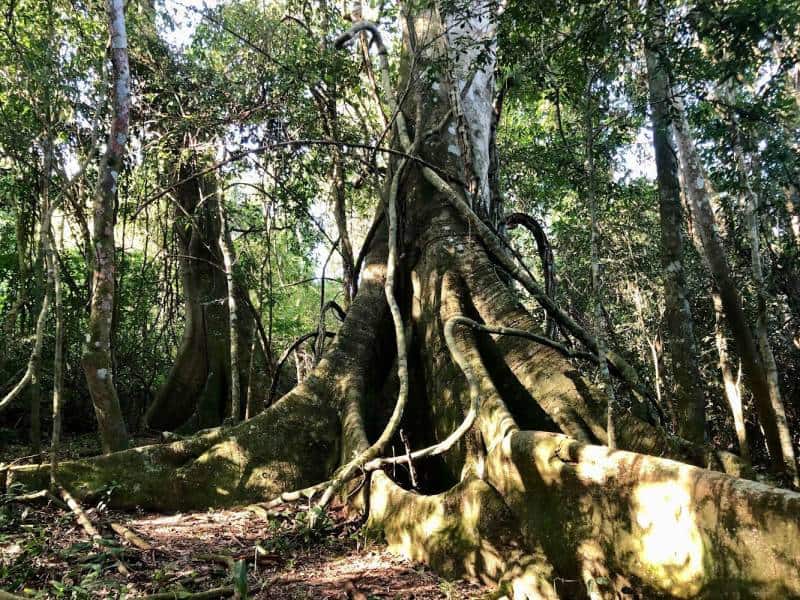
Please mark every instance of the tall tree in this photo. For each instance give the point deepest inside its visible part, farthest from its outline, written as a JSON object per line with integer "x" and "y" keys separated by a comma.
{"x": 689, "y": 403}
{"x": 509, "y": 434}
{"x": 699, "y": 194}
{"x": 97, "y": 361}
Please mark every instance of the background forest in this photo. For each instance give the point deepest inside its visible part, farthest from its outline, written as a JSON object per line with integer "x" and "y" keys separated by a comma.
{"x": 230, "y": 83}
{"x": 190, "y": 269}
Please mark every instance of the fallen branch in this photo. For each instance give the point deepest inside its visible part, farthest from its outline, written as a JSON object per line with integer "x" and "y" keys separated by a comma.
{"x": 220, "y": 592}
{"x": 84, "y": 521}
{"x": 41, "y": 495}
{"x": 31, "y": 497}
{"x": 130, "y": 537}
{"x": 220, "y": 559}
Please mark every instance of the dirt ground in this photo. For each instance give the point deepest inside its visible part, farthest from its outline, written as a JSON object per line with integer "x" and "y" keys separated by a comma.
{"x": 45, "y": 553}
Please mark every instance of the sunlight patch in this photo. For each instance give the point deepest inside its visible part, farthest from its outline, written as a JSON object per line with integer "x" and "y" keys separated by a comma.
{"x": 671, "y": 545}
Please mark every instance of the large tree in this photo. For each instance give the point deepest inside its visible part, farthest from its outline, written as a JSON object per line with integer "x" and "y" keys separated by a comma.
{"x": 517, "y": 487}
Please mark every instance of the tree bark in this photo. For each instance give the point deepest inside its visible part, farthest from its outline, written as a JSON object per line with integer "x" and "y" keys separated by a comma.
{"x": 58, "y": 367}
{"x": 762, "y": 331}
{"x": 597, "y": 282}
{"x": 689, "y": 402}
{"x": 226, "y": 248}
{"x": 731, "y": 383}
{"x": 196, "y": 393}
{"x": 698, "y": 192}
{"x": 97, "y": 360}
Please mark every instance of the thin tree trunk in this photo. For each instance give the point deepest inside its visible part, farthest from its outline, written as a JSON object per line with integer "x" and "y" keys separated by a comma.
{"x": 793, "y": 210}
{"x": 226, "y": 247}
{"x": 698, "y": 192}
{"x": 340, "y": 212}
{"x": 49, "y": 265}
{"x": 22, "y": 266}
{"x": 731, "y": 384}
{"x": 733, "y": 392}
{"x": 764, "y": 347}
{"x": 97, "y": 362}
{"x": 689, "y": 401}
{"x": 253, "y": 406}
{"x": 597, "y": 283}
{"x": 31, "y": 375}
{"x": 58, "y": 368}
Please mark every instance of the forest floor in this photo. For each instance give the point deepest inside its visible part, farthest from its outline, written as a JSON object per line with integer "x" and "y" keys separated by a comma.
{"x": 45, "y": 553}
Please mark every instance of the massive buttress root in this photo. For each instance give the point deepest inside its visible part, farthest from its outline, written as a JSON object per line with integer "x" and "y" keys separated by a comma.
{"x": 532, "y": 509}
{"x": 295, "y": 443}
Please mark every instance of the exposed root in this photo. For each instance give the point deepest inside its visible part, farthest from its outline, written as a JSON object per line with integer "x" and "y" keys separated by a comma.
{"x": 354, "y": 466}
{"x": 292, "y": 443}
{"x": 673, "y": 528}
{"x": 130, "y": 537}
{"x": 466, "y": 531}
{"x": 87, "y": 525}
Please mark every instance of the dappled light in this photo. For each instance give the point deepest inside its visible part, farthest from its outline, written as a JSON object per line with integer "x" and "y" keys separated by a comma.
{"x": 672, "y": 525}
{"x": 298, "y": 296}
{"x": 671, "y": 546}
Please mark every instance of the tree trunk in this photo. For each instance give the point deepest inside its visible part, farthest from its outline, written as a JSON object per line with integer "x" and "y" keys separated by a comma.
{"x": 731, "y": 384}
{"x": 689, "y": 402}
{"x": 698, "y": 192}
{"x": 97, "y": 361}
{"x": 58, "y": 366}
{"x": 597, "y": 282}
{"x": 520, "y": 508}
{"x": 226, "y": 248}
{"x": 21, "y": 238}
{"x": 197, "y": 390}
{"x": 32, "y": 371}
{"x": 762, "y": 332}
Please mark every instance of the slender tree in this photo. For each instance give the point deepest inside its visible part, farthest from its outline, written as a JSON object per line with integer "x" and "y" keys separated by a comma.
{"x": 689, "y": 404}
{"x": 762, "y": 331}
{"x": 699, "y": 192}
{"x": 97, "y": 361}
{"x": 226, "y": 249}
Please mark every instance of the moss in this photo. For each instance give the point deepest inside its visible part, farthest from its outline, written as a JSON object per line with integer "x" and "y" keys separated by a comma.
{"x": 292, "y": 445}
{"x": 465, "y": 531}
{"x": 679, "y": 530}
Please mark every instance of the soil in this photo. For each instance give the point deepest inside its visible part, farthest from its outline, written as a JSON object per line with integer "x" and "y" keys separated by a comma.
{"x": 44, "y": 553}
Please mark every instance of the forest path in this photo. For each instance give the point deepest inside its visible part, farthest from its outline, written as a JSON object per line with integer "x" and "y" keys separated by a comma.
{"x": 43, "y": 549}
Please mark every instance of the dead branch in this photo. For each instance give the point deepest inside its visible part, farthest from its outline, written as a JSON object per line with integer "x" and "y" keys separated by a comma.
{"x": 220, "y": 592}
{"x": 130, "y": 537}
{"x": 84, "y": 521}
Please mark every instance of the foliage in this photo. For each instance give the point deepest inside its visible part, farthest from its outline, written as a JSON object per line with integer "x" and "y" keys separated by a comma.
{"x": 255, "y": 86}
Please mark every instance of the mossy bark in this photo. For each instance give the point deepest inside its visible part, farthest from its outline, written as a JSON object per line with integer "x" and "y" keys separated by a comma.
{"x": 293, "y": 444}
{"x": 196, "y": 394}
{"x": 675, "y": 529}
